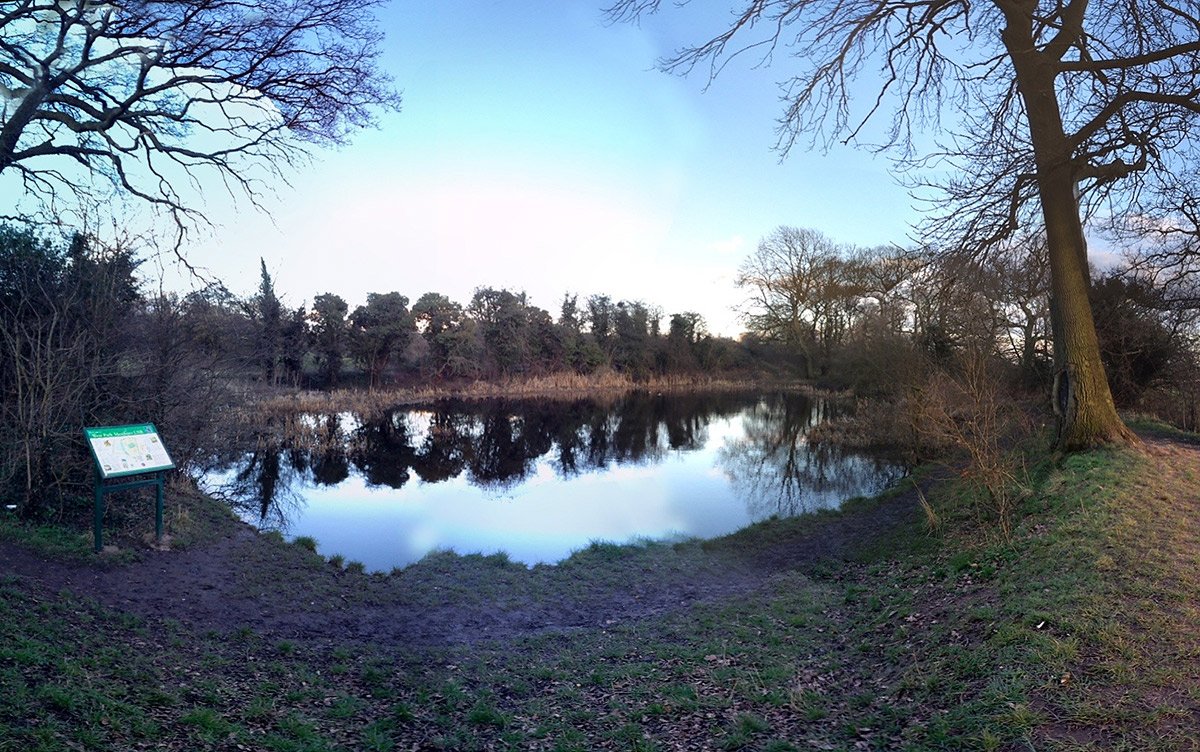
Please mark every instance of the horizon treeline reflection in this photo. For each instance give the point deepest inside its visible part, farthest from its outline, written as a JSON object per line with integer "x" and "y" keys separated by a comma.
{"x": 754, "y": 445}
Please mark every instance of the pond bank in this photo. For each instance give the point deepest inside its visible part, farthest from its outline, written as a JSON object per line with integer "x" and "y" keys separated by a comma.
{"x": 238, "y": 579}
{"x": 1078, "y": 634}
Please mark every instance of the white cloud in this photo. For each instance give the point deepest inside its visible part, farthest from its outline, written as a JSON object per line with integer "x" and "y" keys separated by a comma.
{"x": 733, "y": 246}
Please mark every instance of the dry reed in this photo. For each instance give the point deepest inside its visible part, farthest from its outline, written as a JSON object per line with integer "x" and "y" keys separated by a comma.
{"x": 260, "y": 410}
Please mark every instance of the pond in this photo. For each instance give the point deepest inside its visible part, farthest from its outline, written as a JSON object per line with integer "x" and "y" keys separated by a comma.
{"x": 539, "y": 479}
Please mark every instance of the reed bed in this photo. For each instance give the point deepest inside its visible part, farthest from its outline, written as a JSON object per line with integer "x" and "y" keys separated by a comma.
{"x": 873, "y": 424}
{"x": 323, "y": 421}
{"x": 262, "y": 408}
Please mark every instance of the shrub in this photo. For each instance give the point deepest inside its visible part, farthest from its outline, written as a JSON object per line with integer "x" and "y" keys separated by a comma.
{"x": 966, "y": 415}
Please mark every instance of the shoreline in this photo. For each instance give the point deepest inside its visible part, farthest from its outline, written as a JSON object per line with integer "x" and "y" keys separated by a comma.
{"x": 860, "y": 627}
{"x": 553, "y": 387}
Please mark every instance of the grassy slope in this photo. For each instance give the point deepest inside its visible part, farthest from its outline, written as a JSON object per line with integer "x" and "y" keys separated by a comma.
{"x": 1080, "y": 634}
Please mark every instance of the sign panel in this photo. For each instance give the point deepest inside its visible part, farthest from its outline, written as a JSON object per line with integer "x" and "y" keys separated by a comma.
{"x": 127, "y": 450}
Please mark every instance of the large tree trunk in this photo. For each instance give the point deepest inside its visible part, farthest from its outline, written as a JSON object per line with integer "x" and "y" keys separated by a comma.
{"x": 1082, "y": 401}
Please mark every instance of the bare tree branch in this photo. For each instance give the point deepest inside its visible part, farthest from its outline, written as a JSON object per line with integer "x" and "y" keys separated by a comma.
{"x": 151, "y": 99}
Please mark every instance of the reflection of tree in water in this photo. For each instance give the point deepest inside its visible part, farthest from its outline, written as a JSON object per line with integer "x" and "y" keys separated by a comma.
{"x": 444, "y": 447}
{"x": 329, "y": 468}
{"x": 267, "y": 482}
{"x": 382, "y": 451}
{"x": 328, "y": 461}
{"x": 496, "y": 443}
{"x": 570, "y": 437}
{"x": 636, "y": 436}
{"x": 265, "y": 486}
{"x": 781, "y": 474}
{"x": 499, "y": 441}
{"x": 633, "y": 430}
{"x": 499, "y": 457}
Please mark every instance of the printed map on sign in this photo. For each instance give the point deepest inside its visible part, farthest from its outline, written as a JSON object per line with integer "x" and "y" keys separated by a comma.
{"x": 127, "y": 450}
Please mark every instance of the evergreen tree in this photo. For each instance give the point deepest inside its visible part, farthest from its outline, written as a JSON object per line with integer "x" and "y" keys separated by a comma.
{"x": 381, "y": 329}
{"x": 330, "y": 334}
{"x": 267, "y": 312}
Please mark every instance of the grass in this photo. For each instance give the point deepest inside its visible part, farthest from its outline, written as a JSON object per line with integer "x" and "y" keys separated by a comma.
{"x": 307, "y": 542}
{"x": 55, "y": 540}
{"x": 66, "y": 532}
{"x": 1078, "y": 633}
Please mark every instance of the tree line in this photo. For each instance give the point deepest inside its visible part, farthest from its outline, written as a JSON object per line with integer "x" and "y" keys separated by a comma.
{"x": 497, "y": 334}
{"x": 83, "y": 342}
{"x": 1071, "y": 118}
{"x": 879, "y": 320}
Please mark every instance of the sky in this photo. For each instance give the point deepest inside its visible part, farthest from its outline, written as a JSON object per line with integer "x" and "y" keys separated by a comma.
{"x": 538, "y": 149}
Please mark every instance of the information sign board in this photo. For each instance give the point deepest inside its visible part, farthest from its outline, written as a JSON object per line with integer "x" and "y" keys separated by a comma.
{"x": 127, "y": 450}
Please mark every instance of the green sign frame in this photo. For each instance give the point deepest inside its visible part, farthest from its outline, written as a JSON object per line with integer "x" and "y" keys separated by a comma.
{"x": 127, "y": 450}
{"x": 122, "y": 451}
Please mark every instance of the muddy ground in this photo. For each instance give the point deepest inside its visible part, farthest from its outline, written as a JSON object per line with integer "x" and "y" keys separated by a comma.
{"x": 243, "y": 580}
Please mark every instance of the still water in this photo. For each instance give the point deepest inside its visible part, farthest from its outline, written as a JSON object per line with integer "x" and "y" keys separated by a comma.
{"x": 538, "y": 479}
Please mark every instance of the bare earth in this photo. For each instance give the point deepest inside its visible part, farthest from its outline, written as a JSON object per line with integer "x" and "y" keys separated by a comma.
{"x": 242, "y": 580}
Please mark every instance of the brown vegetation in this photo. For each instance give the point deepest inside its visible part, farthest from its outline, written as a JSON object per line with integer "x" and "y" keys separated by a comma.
{"x": 562, "y": 385}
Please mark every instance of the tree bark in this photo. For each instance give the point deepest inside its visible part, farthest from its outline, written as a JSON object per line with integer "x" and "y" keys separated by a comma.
{"x": 1081, "y": 397}
{"x": 807, "y": 359}
{"x": 1083, "y": 402}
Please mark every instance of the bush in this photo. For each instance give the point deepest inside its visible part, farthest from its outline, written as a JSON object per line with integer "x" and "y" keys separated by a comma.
{"x": 965, "y": 414}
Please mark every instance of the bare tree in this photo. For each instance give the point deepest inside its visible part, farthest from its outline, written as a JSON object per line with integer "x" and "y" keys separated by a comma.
{"x": 176, "y": 378}
{"x": 787, "y": 283}
{"x": 150, "y": 99}
{"x": 49, "y": 369}
{"x": 1064, "y": 107}
{"x": 884, "y": 273}
{"x": 1020, "y": 289}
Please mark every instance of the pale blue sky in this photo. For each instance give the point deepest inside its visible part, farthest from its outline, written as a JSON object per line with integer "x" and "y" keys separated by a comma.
{"x": 538, "y": 150}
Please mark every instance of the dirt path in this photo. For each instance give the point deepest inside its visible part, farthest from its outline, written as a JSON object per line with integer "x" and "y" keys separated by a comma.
{"x": 243, "y": 580}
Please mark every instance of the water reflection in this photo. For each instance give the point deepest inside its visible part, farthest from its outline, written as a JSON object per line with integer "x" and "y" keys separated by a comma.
{"x": 780, "y": 474}
{"x": 711, "y": 463}
{"x": 266, "y": 483}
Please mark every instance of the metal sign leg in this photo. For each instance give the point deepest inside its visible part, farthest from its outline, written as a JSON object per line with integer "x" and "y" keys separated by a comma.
{"x": 98, "y": 517}
{"x": 158, "y": 511}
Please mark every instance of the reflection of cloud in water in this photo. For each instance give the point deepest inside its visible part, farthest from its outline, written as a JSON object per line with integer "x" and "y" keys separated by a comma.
{"x": 618, "y": 473}
{"x": 539, "y": 479}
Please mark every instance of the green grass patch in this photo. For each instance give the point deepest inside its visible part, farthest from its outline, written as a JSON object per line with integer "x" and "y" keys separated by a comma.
{"x": 53, "y": 540}
{"x": 307, "y": 542}
{"x": 1080, "y": 626}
